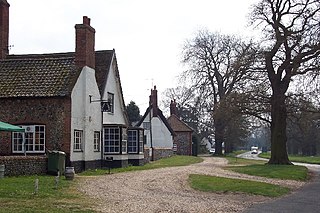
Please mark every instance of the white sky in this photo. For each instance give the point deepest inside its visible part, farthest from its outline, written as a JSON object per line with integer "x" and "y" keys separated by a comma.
{"x": 147, "y": 35}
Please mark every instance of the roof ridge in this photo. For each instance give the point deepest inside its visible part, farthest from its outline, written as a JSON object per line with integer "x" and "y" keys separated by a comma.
{"x": 40, "y": 56}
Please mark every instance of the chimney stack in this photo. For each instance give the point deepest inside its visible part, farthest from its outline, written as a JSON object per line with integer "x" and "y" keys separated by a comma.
{"x": 173, "y": 108}
{"x": 154, "y": 101}
{"x": 85, "y": 39}
{"x": 4, "y": 28}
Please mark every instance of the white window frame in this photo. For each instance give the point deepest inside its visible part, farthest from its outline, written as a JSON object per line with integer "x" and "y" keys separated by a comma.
{"x": 133, "y": 141}
{"x": 77, "y": 140}
{"x": 33, "y": 140}
{"x": 96, "y": 141}
{"x": 124, "y": 140}
{"x": 111, "y": 140}
{"x": 115, "y": 140}
{"x": 136, "y": 143}
{"x": 141, "y": 141}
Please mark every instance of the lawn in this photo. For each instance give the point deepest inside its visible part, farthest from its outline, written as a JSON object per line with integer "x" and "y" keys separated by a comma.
{"x": 296, "y": 158}
{"x": 260, "y": 168}
{"x": 221, "y": 184}
{"x": 250, "y": 167}
{"x": 285, "y": 172}
{"x": 232, "y": 160}
{"x": 177, "y": 160}
{"x": 17, "y": 194}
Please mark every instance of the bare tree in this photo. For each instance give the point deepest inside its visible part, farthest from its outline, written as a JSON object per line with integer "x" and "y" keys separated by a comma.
{"x": 218, "y": 65}
{"x": 291, "y": 48}
{"x": 190, "y": 108}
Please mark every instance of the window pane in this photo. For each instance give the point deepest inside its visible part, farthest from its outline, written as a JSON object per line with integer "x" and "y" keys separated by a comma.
{"x": 111, "y": 140}
{"x": 77, "y": 144}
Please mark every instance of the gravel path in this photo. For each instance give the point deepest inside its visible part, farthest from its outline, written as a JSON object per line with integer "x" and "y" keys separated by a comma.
{"x": 167, "y": 190}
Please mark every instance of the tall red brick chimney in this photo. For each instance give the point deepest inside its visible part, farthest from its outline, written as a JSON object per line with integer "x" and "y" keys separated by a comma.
{"x": 154, "y": 101}
{"x": 85, "y": 39}
{"x": 4, "y": 28}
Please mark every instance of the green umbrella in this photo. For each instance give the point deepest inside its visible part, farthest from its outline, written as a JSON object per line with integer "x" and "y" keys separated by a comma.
{"x": 9, "y": 127}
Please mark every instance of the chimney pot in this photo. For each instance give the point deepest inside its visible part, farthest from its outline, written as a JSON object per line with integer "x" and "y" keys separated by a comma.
{"x": 86, "y": 20}
{"x": 173, "y": 107}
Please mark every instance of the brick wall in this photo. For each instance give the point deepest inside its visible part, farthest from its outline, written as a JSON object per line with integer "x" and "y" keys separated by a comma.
{"x": 21, "y": 165}
{"x": 54, "y": 113}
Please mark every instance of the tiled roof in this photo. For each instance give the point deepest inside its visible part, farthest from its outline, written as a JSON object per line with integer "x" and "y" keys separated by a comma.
{"x": 103, "y": 63}
{"x": 178, "y": 125}
{"x": 160, "y": 115}
{"x": 44, "y": 75}
{"x": 47, "y": 75}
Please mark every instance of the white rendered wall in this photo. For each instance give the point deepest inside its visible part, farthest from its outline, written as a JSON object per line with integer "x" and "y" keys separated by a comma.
{"x": 85, "y": 116}
{"x": 112, "y": 86}
{"x": 161, "y": 136}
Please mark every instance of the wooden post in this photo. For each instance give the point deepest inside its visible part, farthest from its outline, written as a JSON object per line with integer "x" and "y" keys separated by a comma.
{"x": 36, "y": 186}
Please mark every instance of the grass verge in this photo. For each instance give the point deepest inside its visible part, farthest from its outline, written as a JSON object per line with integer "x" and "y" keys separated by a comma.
{"x": 177, "y": 160}
{"x": 284, "y": 172}
{"x": 296, "y": 158}
{"x": 221, "y": 184}
{"x": 17, "y": 194}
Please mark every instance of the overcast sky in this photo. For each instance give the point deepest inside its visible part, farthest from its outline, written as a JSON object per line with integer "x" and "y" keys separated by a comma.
{"x": 147, "y": 35}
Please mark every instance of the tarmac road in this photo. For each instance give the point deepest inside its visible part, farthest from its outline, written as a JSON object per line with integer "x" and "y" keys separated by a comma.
{"x": 304, "y": 200}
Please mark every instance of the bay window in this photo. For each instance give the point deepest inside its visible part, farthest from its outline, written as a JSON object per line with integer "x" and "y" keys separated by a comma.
{"x": 135, "y": 141}
{"x": 114, "y": 140}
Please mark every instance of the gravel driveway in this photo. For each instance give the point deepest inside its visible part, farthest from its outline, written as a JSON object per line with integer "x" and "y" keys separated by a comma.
{"x": 167, "y": 190}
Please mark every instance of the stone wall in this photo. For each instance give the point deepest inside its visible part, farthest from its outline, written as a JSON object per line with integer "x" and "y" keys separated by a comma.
{"x": 24, "y": 165}
{"x": 184, "y": 143}
{"x": 159, "y": 153}
{"x": 146, "y": 152}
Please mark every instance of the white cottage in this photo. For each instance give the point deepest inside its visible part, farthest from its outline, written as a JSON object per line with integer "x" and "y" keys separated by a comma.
{"x": 70, "y": 102}
{"x": 158, "y": 132}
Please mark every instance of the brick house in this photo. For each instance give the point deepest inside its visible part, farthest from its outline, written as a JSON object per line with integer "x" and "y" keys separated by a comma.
{"x": 158, "y": 132}
{"x": 72, "y": 102}
{"x": 182, "y": 138}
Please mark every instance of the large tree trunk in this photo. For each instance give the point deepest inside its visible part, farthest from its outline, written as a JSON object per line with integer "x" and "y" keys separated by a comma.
{"x": 279, "y": 153}
{"x": 219, "y": 135}
{"x": 228, "y": 147}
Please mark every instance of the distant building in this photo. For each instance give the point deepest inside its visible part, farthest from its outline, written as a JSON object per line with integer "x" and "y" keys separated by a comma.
{"x": 158, "y": 132}
{"x": 182, "y": 140}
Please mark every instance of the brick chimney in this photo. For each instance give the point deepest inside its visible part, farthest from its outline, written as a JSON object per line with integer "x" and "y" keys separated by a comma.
{"x": 85, "y": 38}
{"x": 154, "y": 101}
{"x": 173, "y": 108}
{"x": 4, "y": 28}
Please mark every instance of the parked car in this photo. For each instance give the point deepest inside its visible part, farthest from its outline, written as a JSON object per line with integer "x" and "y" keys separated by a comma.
{"x": 211, "y": 151}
